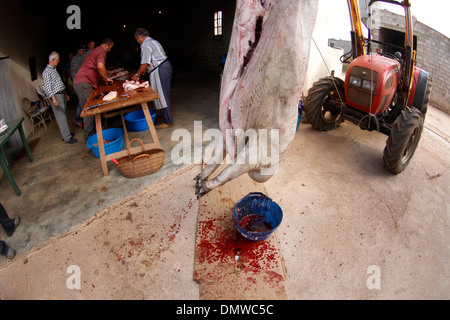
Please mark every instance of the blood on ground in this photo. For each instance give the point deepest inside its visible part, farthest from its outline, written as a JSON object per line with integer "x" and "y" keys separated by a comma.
{"x": 221, "y": 242}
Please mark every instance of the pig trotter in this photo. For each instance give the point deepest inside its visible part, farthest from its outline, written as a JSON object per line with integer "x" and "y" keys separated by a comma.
{"x": 215, "y": 161}
{"x": 201, "y": 190}
{"x": 232, "y": 171}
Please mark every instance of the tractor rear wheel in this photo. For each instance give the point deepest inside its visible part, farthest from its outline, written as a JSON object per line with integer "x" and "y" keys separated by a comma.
{"x": 403, "y": 140}
{"x": 323, "y": 105}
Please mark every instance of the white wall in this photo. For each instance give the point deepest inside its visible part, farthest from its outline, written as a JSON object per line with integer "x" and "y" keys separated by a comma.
{"x": 322, "y": 57}
{"x": 22, "y": 37}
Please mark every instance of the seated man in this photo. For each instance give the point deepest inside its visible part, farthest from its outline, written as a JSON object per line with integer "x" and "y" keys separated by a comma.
{"x": 9, "y": 226}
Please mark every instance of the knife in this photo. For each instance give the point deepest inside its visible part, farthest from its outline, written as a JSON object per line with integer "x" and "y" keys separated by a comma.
{"x": 103, "y": 104}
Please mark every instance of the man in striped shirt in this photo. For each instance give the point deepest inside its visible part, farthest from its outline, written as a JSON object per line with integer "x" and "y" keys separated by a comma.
{"x": 154, "y": 61}
{"x": 55, "y": 90}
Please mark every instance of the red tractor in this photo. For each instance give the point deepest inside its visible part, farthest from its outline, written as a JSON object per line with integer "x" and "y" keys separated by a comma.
{"x": 383, "y": 91}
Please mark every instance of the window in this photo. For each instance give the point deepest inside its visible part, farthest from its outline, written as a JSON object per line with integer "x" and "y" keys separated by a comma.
{"x": 218, "y": 23}
{"x": 32, "y": 64}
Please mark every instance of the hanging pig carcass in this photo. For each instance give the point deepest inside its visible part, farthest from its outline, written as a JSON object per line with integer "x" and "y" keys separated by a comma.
{"x": 261, "y": 87}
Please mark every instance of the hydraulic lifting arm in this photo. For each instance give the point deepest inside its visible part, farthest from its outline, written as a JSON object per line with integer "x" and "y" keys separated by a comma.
{"x": 356, "y": 33}
{"x": 409, "y": 49}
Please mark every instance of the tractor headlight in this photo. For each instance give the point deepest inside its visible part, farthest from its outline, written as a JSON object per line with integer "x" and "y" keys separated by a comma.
{"x": 369, "y": 85}
{"x": 355, "y": 81}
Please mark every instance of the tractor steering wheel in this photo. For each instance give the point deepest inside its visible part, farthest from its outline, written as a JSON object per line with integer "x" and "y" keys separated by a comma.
{"x": 397, "y": 56}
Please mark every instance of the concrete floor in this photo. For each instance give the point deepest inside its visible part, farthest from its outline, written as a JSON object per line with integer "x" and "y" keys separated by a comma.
{"x": 343, "y": 213}
{"x": 64, "y": 185}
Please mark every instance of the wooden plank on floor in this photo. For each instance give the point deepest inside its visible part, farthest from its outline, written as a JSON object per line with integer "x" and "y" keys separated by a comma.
{"x": 228, "y": 266}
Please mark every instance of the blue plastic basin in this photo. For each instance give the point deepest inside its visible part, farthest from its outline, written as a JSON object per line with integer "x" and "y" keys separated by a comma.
{"x": 256, "y": 209}
{"x": 114, "y": 134}
{"x": 136, "y": 121}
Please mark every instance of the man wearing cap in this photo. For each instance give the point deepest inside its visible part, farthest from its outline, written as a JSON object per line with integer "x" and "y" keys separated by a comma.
{"x": 75, "y": 64}
{"x": 77, "y": 60}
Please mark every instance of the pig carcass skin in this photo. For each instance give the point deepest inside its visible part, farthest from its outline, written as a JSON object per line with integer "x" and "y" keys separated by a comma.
{"x": 133, "y": 85}
{"x": 261, "y": 87}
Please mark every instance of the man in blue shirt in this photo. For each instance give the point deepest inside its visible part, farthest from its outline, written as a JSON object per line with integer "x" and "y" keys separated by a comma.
{"x": 75, "y": 64}
{"x": 154, "y": 61}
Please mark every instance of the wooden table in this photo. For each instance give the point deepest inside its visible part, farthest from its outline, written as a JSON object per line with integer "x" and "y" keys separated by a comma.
{"x": 13, "y": 126}
{"x": 119, "y": 107}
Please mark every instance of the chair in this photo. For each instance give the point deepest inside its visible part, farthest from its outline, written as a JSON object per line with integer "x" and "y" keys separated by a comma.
{"x": 45, "y": 101}
{"x": 37, "y": 111}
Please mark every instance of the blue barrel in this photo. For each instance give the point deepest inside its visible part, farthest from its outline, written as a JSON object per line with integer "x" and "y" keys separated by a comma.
{"x": 257, "y": 216}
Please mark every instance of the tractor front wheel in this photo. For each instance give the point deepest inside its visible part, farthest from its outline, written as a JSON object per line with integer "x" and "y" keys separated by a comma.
{"x": 403, "y": 140}
{"x": 323, "y": 105}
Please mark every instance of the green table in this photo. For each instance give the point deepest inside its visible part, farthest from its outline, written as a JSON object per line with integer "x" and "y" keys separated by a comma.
{"x": 13, "y": 126}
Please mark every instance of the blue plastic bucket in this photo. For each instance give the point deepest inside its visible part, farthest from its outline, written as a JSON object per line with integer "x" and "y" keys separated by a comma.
{"x": 257, "y": 216}
{"x": 298, "y": 122}
{"x": 136, "y": 121}
{"x": 301, "y": 112}
{"x": 114, "y": 135}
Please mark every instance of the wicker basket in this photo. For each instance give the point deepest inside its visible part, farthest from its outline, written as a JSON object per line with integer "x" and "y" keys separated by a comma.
{"x": 140, "y": 164}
